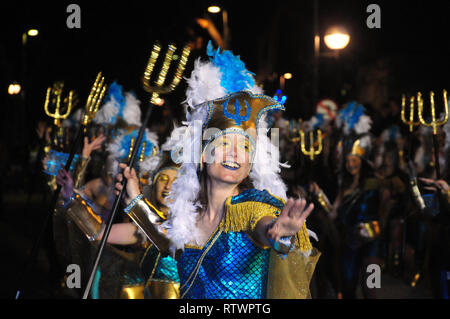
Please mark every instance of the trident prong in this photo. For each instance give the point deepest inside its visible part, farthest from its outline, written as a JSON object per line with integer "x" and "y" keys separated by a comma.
{"x": 131, "y": 148}
{"x": 434, "y": 123}
{"x": 141, "y": 158}
{"x": 130, "y": 151}
{"x": 94, "y": 99}
{"x": 54, "y": 96}
{"x": 159, "y": 87}
{"x": 411, "y": 122}
{"x": 312, "y": 150}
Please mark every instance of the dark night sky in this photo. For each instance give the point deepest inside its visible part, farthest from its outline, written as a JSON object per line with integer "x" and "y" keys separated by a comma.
{"x": 116, "y": 37}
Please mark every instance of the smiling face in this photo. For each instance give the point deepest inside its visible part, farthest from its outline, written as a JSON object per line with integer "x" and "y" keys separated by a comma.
{"x": 231, "y": 155}
{"x": 163, "y": 184}
{"x": 353, "y": 164}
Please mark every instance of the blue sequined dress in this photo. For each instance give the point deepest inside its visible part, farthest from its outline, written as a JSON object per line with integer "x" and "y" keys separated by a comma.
{"x": 231, "y": 265}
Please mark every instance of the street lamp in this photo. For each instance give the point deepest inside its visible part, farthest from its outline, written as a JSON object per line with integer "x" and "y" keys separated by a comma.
{"x": 283, "y": 78}
{"x": 214, "y": 9}
{"x": 14, "y": 89}
{"x": 226, "y": 30}
{"x": 336, "y": 38}
{"x": 33, "y": 32}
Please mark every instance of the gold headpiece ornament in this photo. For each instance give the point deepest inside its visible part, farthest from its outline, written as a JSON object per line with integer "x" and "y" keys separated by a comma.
{"x": 240, "y": 110}
{"x": 357, "y": 150}
{"x": 237, "y": 113}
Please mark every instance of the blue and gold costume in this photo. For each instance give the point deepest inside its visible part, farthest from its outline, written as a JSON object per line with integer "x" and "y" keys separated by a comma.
{"x": 233, "y": 265}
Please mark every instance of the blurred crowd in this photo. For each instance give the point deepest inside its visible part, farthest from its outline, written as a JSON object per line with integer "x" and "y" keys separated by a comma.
{"x": 374, "y": 182}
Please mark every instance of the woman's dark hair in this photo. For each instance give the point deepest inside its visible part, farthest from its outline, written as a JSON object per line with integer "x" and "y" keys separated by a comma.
{"x": 203, "y": 195}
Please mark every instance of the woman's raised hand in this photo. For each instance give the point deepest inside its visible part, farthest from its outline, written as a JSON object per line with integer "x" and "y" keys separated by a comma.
{"x": 133, "y": 189}
{"x": 95, "y": 144}
{"x": 291, "y": 219}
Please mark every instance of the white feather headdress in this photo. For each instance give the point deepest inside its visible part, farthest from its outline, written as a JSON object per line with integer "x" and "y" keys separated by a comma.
{"x": 210, "y": 80}
{"x": 119, "y": 106}
{"x": 119, "y": 149}
{"x": 355, "y": 125}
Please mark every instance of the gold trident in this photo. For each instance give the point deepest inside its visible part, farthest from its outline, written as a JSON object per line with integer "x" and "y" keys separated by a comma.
{"x": 312, "y": 151}
{"x": 94, "y": 99}
{"x": 434, "y": 123}
{"x": 159, "y": 88}
{"x": 56, "y": 93}
{"x": 411, "y": 122}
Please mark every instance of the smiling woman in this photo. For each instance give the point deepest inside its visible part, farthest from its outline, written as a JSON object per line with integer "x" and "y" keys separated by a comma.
{"x": 229, "y": 210}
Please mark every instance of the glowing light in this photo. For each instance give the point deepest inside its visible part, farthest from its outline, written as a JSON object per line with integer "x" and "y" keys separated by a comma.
{"x": 159, "y": 101}
{"x": 287, "y": 76}
{"x": 33, "y": 32}
{"x": 14, "y": 89}
{"x": 336, "y": 38}
{"x": 214, "y": 9}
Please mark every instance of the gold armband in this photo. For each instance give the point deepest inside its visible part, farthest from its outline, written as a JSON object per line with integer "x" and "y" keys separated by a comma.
{"x": 146, "y": 217}
{"x": 323, "y": 202}
{"x": 84, "y": 217}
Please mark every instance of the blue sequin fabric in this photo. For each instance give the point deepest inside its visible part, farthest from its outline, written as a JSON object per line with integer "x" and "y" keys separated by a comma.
{"x": 234, "y": 268}
{"x": 230, "y": 265}
{"x": 159, "y": 268}
{"x": 166, "y": 269}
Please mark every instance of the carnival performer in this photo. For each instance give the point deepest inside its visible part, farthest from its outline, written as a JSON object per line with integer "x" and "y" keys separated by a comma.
{"x": 228, "y": 204}
{"x": 438, "y": 230}
{"x": 357, "y": 203}
{"x": 80, "y": 218}
{"x": 160, "y": 273}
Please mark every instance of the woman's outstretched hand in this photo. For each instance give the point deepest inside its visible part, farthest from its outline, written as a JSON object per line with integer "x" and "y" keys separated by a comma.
{"x": 95, "y": 144}
{"x": 291, "y": 219}
{"x": 133, "y": 189}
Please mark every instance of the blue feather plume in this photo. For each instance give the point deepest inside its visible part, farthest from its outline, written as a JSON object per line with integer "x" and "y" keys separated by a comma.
{"x": 235, "y": 77}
